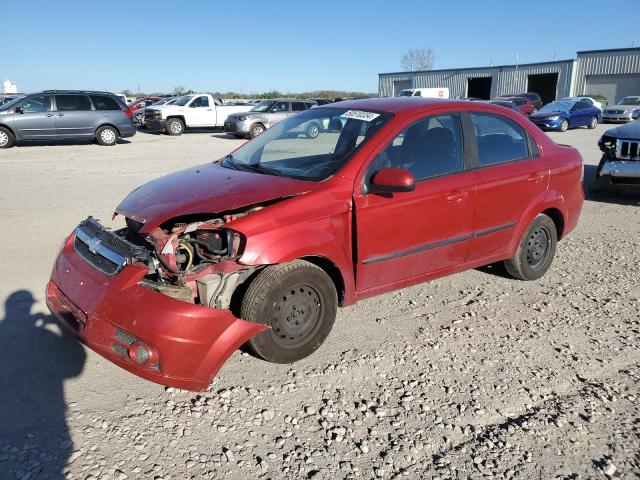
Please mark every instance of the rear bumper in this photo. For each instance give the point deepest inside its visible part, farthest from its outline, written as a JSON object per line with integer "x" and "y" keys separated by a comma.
{"x": 188, "y": 343}
{"x": 127, "y": 130}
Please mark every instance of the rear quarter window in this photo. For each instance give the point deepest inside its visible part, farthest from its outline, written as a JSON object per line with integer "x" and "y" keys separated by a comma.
{"x": 101, "y": 102}
{"x": 499, "y": 139}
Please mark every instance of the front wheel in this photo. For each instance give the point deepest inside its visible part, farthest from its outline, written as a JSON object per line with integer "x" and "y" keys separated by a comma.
{"x": 174, "y": 126}
{"x": 594, "y": 123}
{"x": 6, "y": 138}
{"x": 298, "y": 301}
{"x": 313, "y": 130}
{"x": 256, "y": 129}
{"x": 107, "y": 136}
{"x": 564, "y": 125}
{"x": 535, "y": 251}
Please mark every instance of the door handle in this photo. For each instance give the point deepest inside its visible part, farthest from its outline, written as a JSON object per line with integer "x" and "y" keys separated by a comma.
{"x": 534, "y": 178}
{"x": 456, "y": 196}
{"x": 61, "y": 114}
{"x": 49, "y": 114}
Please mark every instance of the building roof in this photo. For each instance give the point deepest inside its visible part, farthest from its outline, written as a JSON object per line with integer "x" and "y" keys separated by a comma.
{"x": 630, "y": 49}
{"x": 498, "y": 67}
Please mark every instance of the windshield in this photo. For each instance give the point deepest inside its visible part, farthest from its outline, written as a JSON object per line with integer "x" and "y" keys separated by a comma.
{"x": 9, "y": 103}
{"x": 630, "y": 101}
{"x": 406, "y": 93}
{"x": 312, "y": 145}
{"x": 557, "y": 107}
{"x": 182, "y": 101}
{"x": 263, "y": 106}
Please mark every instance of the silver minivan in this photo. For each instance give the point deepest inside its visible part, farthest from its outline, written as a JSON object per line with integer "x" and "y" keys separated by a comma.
{"x": 65, "y": 114}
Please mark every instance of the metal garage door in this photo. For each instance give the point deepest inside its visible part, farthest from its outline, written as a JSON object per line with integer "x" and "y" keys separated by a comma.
{"x": 400, "y": 85}
{"x": 614, "y": 87}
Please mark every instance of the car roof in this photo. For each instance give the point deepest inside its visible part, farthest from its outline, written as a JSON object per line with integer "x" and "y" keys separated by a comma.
{"x": 85, "y": 92}
{"x": 398, "y": 104}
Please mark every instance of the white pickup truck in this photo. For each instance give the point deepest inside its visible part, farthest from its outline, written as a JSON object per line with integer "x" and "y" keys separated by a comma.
{"x": 197, "y": 110}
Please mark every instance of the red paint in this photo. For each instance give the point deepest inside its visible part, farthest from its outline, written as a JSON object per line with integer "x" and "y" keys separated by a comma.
{"x": 334, "y": 220}
{"x": 138, "y": 103}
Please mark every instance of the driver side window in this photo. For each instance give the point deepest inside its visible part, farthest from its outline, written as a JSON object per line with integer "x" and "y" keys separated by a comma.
{"x": 427, "y": 148}
{"x": 280, "y": 107}
{"x": 35, "y": 104}
{"x": 200, "y": 102}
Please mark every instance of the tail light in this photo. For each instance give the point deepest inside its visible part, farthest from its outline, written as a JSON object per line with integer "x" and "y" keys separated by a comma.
{"x": 127, "y": 111}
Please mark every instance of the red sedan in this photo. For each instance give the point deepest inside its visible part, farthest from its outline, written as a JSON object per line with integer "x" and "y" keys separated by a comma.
{"x": 262, "y": 246}
{"x": 523, "y": 105}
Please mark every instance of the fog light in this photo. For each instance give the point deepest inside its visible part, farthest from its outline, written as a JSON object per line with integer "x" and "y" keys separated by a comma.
{"x": 139, "y": 353}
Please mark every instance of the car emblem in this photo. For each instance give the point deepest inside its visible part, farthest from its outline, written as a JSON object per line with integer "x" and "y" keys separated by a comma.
{"x": 93, "y": 245}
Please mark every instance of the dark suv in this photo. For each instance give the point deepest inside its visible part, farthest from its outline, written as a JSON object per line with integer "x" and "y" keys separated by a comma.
{"x": 64, "y": 114}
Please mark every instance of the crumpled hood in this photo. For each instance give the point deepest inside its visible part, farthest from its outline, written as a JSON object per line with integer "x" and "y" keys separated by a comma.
{"x": 546, "y": 114}
{"x": 629, "y": 131}
{"x": 208, "y": 188}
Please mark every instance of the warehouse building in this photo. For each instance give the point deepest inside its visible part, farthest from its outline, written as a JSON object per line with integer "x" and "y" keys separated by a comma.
{"x": 612, "y": 73}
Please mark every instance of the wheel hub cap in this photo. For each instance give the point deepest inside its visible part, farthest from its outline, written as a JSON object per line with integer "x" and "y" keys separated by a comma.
{"x": 4, "y": 138}
{"x": 537, "y": 247}
{"x": 295, "y": 315}
{"x": 108, "y": 136}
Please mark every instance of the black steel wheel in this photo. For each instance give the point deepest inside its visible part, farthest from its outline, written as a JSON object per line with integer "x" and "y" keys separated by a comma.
{"x": 536, "y": 250}
{"x": 298, "y": 301}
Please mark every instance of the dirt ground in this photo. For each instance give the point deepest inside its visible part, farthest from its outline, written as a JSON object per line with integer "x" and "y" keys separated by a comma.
{"x": 474, "y": 375}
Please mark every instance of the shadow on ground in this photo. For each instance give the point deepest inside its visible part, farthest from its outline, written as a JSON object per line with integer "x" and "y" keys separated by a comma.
{"x": 618, "y": 198}
{"x": 36, "y": 360}
{"x": 50, "y": 143}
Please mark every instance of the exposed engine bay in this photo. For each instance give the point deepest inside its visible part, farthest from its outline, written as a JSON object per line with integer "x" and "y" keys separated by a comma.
{"x": 192, "y": 259}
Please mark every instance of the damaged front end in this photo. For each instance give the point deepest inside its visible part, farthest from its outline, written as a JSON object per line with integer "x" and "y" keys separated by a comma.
{"x": 619, "y": 168}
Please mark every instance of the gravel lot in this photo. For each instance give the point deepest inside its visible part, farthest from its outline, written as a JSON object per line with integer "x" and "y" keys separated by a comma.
{"x": 474, "y": 375}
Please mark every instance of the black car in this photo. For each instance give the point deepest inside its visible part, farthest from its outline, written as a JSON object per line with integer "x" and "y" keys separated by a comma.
{"x": 619, "y": 168}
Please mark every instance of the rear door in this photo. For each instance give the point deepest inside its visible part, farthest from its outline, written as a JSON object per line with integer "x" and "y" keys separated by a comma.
{"x": 75, "y": 116}
{"x": 36, "y": 120}
{"x": 408, "y": 235}
{"x": 510, "y": 177}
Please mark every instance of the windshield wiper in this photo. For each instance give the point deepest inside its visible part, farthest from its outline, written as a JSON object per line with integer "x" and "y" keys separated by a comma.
{"x": 259, "y": 168}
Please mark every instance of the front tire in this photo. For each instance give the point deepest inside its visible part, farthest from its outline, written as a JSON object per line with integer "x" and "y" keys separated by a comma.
{"x": 174, "y": 126}
{"x": 298, "y": 301}
{"x": 536, "y": 250}
{"x": 313, "y": 130}
{"x": 7, "y": 138}
{"x": 594, "y": 123}
{"x": 564, "y": 125}
{"x": 107, "y": 136}
{"x": 256, "y": 129}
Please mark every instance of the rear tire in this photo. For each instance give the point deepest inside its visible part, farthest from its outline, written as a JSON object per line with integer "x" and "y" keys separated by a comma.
{"x": 174, "y": 126}
{"x": 256, "y": 129}
{"x": 594, "y": 123}
{"x": 7, "y": 138}
{"x": 536, "y": 250}
{"x": 313, "y": 130}
{"x": 564, "y": 125}
{"x": 107, "y": 136}
{"x": 298, "y": 301}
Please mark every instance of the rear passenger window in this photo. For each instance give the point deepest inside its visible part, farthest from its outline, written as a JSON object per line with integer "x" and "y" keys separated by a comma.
{"x": 72, "y": 103}
{"x": 499, "y": 139}
{"x": 101, "y": 102}
{"x": 298, "y": 106}
{"x": 427, "y": 148}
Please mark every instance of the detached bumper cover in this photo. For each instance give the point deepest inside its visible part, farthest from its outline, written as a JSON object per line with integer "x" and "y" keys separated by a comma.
{"x": 621, "y": 169}
{"x": 189, "y": 343}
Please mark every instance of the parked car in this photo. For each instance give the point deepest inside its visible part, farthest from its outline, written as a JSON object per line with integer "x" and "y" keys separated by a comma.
{"x": 143, "y": 102}
{"x": 505, "y": 104}
{"x": 321, "y": 101}
{"x": 619, "y": 167}
{"x": 522, "y": 104}
{"x": 197, "y": 110}
{"x": 562, "y": 115}
{"x": 533, "y": 97}
{"x": 589, "y": 100}
{"x": 264, "y": 115}
{"x": 604, "y": 102}
{"x": 623, "y": 111}
{"x": 138, "y": 115}
{"x": 261, "y": 247}
{"x": 425, "y": 92}
{"x": 65, "y": 114}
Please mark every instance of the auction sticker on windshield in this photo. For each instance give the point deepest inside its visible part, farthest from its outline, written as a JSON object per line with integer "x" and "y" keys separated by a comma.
{"x": 360, "y": 115}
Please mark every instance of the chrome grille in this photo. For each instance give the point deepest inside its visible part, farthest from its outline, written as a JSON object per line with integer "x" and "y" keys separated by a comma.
{"x": 628, "y": 149}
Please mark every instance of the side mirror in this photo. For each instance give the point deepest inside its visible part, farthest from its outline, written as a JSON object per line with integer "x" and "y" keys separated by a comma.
{"x": 389, "y": 180}
{"x": 19, "y": 110}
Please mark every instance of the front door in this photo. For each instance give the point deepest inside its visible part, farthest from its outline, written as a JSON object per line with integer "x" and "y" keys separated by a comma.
{"x": 510, "y": 178}
{"x": 407, "y": 235}
{"x": 279, "y": 111}
{"x": 34, "y": 118}
{"x": 201, "y": 113}
{"x": 75, "y": 116}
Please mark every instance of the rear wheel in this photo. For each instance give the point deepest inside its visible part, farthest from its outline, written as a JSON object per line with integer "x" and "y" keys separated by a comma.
{"x": 6, "y": 138}
{"x": 594, "y": 122}
{"x": 536, "y": 250}
{"x": 313, "y": 130}
{"x": 107, "y": 136}
{"x": 298, "y": 301}
{"x": 564, "y": 125}
{"x": 174, "y": 126}
{"x": 256, "y": 129}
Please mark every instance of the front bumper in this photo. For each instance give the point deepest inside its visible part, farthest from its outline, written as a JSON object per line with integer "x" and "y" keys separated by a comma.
{"x": 616, "y": 117}
{"x": 154, "y": 123}
{"x": 235, "y": 127}
{"x": 188, "y": 343}
{"x": 546, "y": 124}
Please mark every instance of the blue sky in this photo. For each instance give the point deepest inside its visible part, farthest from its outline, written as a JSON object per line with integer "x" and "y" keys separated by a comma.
{"x": 290, "y": 46}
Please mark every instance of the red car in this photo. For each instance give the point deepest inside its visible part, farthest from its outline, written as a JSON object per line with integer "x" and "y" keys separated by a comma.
{"x": 523, "y": 105}
{"x": 143, "y": 102}
{"x": 262, "y": 246}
